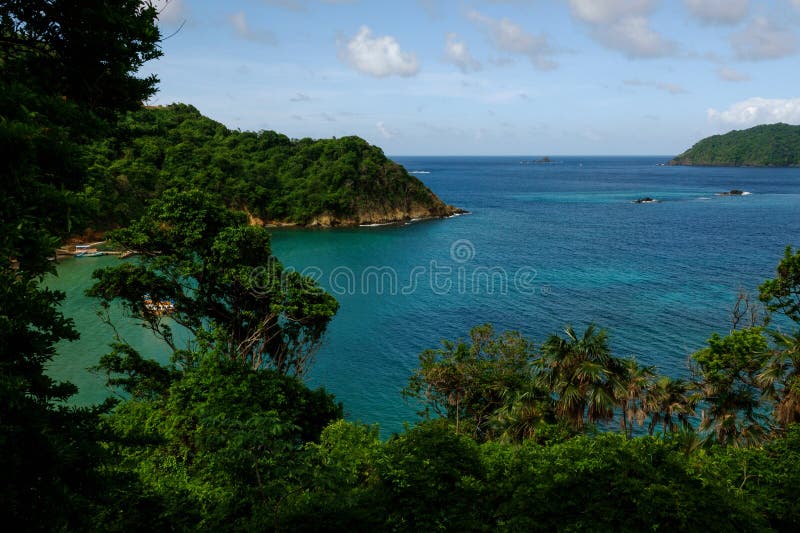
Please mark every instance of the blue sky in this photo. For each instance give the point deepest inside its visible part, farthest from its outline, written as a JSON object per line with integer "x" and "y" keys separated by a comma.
{"x": 492, "y": 77}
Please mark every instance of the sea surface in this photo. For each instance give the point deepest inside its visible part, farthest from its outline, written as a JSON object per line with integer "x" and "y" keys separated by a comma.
{"x": 544, "y": 245}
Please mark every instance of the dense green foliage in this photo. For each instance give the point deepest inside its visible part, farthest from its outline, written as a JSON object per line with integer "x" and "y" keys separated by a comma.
{"x": 433, "y": 478}
{"x": 484, "y": 387}
{"x": 218, "y": 272}
{"x": 271, "y": 176}
{"x": 220, "y": 445}
{"x": 59, "y": 83}
{"x": 224, "y": 438}
{"x": 769, "y": 145}
{"x": 502, "y": 387}
{"x": 217, "y": 444}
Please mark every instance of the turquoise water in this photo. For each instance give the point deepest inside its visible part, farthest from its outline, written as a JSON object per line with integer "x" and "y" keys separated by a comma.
{"x": 544, "y": 245}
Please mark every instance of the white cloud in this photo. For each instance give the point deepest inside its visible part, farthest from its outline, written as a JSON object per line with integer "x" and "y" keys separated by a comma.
{"x": 754, "y": 111}
{"x": 243, "y": 30}
{"x": 508, "y": 36}
{"x": 719, "y": 11}
{"x": 763, "y": 39}
{"x": 377, "y": 56}
{"x": 170, "y": 11}
{"x": 292, "y": 5}
{"x": 634, "y": 37}
{"x": 457, "y": 53}
{"x": 623, "y": 25}
{"x": 671, "y": 88}
{"x": 385, "y": 132}
{"x": 729, "y": 74}
{"x": 608, "y": 11}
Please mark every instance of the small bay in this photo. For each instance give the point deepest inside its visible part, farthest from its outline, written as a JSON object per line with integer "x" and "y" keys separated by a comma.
{"x": 545, "y": 245}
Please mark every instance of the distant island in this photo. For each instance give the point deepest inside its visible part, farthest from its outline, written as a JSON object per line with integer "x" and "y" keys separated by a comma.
{"x": 770, "y": 145}
{"x": 543, "y": 160}
{"x": 275, "y": 179}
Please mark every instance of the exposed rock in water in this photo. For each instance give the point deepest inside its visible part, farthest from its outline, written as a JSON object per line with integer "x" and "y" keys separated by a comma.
{"x": 646, "y": 200}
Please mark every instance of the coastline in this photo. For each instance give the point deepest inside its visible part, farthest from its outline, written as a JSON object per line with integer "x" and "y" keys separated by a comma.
{"x": 327, "y": 221}
{"x": 320, "y": 222}
{"x": 674, "y": 163}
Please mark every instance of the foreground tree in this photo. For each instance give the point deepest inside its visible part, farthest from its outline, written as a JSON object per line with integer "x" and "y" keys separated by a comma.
{"x": 581, "y": 373}
{"x": 217, "y": 272}
{"x": 670, "y": 403}
{"x": 783, "y": 293}
{"x": 470, "y": 382}
{"x": 632, "y": 388}
{"x": 65, "y": 67}
{"x": 780, "y": 377}
{"x": 220, "y": 445}
{"x": 727, "y": 381}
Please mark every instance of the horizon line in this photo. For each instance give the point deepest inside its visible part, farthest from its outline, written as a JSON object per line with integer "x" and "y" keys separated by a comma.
{"x": 529, "y": 155}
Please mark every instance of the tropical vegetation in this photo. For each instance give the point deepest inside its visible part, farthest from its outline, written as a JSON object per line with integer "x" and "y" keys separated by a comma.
{"x": 274, "y": 178}
{"x": 767, "y": 145}
{"x": 560, "y": 435}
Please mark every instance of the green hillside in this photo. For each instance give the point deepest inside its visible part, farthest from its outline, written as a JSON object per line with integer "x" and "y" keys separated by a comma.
{"x": 324, "y": 182}
{"x": 769, "y": 145}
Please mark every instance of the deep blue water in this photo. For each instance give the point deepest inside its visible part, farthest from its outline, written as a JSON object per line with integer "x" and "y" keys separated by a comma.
{"x": 545, "y": 245}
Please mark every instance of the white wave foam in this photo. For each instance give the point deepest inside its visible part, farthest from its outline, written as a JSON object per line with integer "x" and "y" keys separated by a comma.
{"x": 418, "y": 172}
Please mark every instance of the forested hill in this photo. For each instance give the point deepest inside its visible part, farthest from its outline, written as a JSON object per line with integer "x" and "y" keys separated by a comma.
{"x": 769, "y": 145}
{"x": 327, "y": 182}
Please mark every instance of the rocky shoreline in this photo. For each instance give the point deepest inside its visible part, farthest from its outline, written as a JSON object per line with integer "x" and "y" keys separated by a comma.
{"x": 380, "y": 217}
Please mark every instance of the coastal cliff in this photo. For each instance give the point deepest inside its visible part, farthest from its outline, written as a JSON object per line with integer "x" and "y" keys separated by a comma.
{"x": 387, "y": 215}
{"x": 769, "y": 145}
{"x": 275, "y": 179}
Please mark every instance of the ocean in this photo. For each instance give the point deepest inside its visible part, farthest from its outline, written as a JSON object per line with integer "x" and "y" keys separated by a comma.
{"x": 544, "y": 245}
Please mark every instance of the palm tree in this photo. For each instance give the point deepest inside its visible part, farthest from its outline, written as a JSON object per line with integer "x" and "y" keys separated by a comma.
{"x": 728, "y": 370}
{"x": 669, "y": 403}
{"x": 780, "y": 379}
{"x": 631, "y": 386}
{"x": 577, "y": 371}
{"x": 522, "y": 414}
{"x": 724, "y": 424}
{"x": 731, "y": 414}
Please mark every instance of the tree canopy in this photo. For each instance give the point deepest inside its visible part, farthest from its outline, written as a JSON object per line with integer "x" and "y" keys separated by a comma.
{"x": 65, "y": 68}
{"x": 226, "y": 436}
{"x": 768, "y": 145}
{"x": 325, "y": 182}
{"x": 217, "y": 272}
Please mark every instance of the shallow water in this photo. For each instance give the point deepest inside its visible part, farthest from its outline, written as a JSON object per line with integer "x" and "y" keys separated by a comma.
{"x": 544, "y": 245}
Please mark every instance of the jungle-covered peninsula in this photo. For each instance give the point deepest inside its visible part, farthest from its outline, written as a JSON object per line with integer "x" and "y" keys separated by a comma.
{"x": 275, "y": 179}
{"x": 768, "y": 145}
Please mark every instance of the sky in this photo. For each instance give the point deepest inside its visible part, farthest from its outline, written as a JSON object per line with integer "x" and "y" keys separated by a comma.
{"x": 486, "y": 77}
